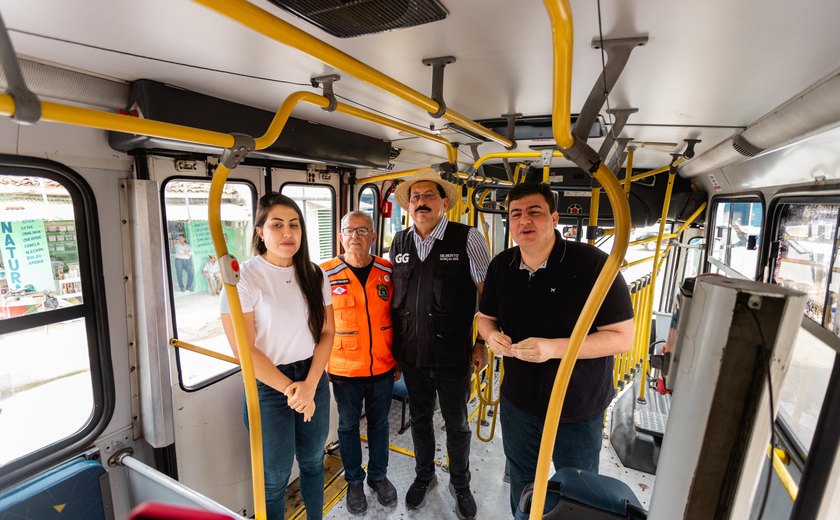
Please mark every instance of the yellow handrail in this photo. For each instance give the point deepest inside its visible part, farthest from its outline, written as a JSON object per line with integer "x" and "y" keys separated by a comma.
{"x": 628, "y": 172}
{"x": 511, "y": 155}
{"x": 214, "y": 207}
{"x": 562, "y": 35}
{"x": 60, "y": 113}
{"x": 561, "y": 23}
{"x": 593, "y": 213}
{"x": 780, "y": 459}
{"x": 201, "y": 350}
{"x": 272, "y": 27}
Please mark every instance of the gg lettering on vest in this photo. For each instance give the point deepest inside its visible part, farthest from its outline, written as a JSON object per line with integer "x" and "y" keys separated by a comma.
{"x": 401, "y": 258}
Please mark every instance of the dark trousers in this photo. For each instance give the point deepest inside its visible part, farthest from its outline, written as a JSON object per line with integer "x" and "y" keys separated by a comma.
{"x": 578, "y": 445}
{"x": 376, "y": 397}
{"x": 453, "y": 390}
{"x": 287, "y": 437}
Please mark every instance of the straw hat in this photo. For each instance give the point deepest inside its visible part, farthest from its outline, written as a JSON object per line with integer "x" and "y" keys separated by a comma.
{"x": 403, "y": 191}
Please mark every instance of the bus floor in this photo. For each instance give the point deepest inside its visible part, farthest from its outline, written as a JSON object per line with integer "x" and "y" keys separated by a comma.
{"x": 487, "y": 464}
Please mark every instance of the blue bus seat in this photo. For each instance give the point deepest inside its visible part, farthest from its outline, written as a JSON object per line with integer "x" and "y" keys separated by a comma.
{"x": 575, "y": 494}
{"x": 68, "y": 492}
{"x": 400, "y": 393}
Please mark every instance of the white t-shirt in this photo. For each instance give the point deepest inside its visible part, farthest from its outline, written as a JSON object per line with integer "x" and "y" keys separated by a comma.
{"x": 212, "y": 269}
{"x": 183, "y": 251}
{"x": 281, "y": 316}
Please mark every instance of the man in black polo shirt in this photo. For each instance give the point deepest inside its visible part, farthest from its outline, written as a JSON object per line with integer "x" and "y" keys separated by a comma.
{"x": 534, "y": 293}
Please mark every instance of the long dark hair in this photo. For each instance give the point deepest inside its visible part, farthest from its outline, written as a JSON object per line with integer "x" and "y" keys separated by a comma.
{"x": 309, "y": 276}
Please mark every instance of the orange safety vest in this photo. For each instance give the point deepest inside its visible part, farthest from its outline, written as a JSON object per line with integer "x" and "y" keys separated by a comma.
{"x": 363, "y": 330}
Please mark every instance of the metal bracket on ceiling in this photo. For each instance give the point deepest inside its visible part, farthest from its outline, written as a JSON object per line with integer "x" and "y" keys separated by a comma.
{"x": 583, "y": 156}
{"x": 689, "y": 147}
{"x": 438, "y": 64}
{"x": 620, "y": 153}
{"x": 621, "y": 116}
{"x": 243, "y": 144}
{"x": 511, "y": 128}
{"x": 326, "y": 83}
{"x": 672, "y": 168}
{"x": 27, "y": 105}
{"x": 618, "y": 52}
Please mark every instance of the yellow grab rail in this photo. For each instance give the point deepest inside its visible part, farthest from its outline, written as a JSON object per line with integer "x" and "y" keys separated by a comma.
{"x": 272, "y": 27}
{"x": 648, "y": 310}
{"x": 628, "y": 171}
{"x": 201, "y": 350}
{"x": 780, "y": 459}
{"x": 621, "y": 212}
{"x": 60, "y": 113}
{"x": 561, "y": 23}
{"x": 511, "y": 155}
{"x": 214, "y": 207}
{"x": 562, "y": 35}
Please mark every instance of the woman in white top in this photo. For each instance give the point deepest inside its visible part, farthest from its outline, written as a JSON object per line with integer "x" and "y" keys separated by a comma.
{"x": 288, "y": 315}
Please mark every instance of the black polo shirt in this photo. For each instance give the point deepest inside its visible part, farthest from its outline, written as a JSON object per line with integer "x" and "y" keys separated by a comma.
{"x": 546, "y": 304}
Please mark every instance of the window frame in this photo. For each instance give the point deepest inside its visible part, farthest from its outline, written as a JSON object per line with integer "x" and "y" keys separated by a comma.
{"x": 334, "y": 207}
{"x": 377, "y": 225}
{"x": 749, "y": 197}
{"x": 172, "y": 315}
{"x": 806, "y": 460}
{"x": 93, "y": 309}
{"x": 767, "y": 250}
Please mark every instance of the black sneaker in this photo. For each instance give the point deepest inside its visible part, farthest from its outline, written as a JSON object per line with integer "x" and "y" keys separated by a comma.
{"x": 356, "y": 500}
{"x": 386, "y": 493}
{"x": 465, "y": 506}
{"x": 416, "y": 495}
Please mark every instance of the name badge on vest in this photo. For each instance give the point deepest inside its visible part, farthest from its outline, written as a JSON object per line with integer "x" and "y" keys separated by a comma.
{"x": 449, "y": 257}
{"x": 382, "y": 291}
{"x": 339, "y": 282}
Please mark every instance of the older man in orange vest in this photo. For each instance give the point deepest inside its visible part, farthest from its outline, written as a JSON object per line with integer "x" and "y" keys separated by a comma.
{"x": 361, "y": 367}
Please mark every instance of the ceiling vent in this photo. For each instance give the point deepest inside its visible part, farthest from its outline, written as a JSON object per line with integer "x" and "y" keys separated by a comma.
{"x": 348, "y": 18}
{"x": 744, "y": 147}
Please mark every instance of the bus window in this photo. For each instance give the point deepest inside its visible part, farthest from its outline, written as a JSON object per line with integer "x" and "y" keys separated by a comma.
{"x": 194, "y": 270}
{"x": 805, "y": 236}
{"x": 393, "y": 224}
{"x": 369, "y": 201}
{"x": 735, "y": 238}
{"x": 51, "y": 373}
{"x": 318, "y": 206}
{"x": 803, "y": 391}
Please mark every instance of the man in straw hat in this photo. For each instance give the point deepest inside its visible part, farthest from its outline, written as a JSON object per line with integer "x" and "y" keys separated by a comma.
{"x": 439, "y": 268}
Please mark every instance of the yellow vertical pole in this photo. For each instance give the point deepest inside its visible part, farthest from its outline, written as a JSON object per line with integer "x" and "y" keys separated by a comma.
{"x": 628, "y": 172}
{"x": 243, "y": 346}
{"x": 662, "y": 221}
{"x": 593, "y": 213}
{"x": 546, "y": 170}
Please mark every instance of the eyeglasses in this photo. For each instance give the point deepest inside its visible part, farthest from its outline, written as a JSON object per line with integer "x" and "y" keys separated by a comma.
{"x": 361, "y": 231}
{"x": 429, "y": 196}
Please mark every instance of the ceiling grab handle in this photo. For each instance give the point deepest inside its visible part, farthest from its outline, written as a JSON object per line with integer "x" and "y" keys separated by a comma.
{"x": 588, "y": 159}
{"x": 27, "y": 108}
{"x": 281, "y": 31}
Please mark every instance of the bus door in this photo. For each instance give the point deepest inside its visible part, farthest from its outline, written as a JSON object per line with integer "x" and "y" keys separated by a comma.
{"x": 211, "y": 442}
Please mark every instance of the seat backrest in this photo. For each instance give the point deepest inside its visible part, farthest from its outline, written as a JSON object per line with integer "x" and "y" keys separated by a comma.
{"x": 71, "y": 491}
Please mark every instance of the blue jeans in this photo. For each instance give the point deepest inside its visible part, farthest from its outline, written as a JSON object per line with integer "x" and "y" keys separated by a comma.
{"x": 286, "y": 436}
{"x": 184, "y": 265}
{"x": 453, "y": 389}
{"x": 376, "y": 397}
{"x": 578, "y": 445}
